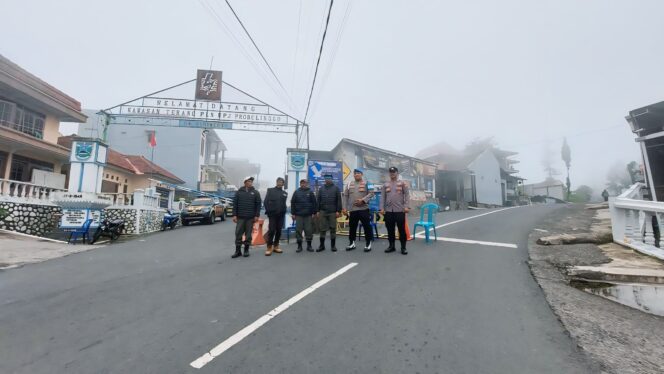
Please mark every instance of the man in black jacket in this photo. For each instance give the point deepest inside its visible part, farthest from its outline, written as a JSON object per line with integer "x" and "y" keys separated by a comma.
{"x": 303, "y": 207}
{"x": 275, "y": 210}
{"x": 246, "y": 210}
{"x": 329, "y": 209}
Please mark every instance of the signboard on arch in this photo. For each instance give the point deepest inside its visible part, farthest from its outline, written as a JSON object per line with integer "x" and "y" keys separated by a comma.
{"x": 208, "y": 85}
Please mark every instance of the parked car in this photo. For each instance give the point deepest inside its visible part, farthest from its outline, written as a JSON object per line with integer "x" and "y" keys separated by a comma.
{"x": 229, "y": 210}
{"x": 203, "y": 209}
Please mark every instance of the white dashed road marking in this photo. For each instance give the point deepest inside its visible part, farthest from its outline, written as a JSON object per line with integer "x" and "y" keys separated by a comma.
{"x": 238, "y": 336}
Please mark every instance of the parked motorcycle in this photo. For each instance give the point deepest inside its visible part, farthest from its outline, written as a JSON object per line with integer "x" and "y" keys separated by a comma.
{"x": 170, "y": 220}
{"x": 109, "y": 228}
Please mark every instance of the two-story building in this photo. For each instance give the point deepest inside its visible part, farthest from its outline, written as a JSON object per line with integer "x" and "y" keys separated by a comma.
{"x": 195, "y": 155}
{"x": 30, "y": 114}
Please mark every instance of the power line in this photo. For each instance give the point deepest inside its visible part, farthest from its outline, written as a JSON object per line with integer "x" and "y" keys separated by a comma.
{"x": 260, "y": 52}
{"x": 335, "y": 48}
{"x": 241, "y": 46}
{"x": 320, "y": 53}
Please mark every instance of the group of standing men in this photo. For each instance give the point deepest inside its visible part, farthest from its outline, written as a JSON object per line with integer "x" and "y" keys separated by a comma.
{"x": 327, "y": 204}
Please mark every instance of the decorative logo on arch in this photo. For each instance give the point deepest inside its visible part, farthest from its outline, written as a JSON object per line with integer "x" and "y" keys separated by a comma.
{"x": 208, "y": 85}
{"x": 84, "y": 150}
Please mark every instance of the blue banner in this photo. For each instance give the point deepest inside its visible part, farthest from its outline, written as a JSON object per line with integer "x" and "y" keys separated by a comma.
{"x": 317, "y": 169}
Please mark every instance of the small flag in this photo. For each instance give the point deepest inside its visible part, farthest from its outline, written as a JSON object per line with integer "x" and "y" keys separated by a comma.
{"x": 153, "y": 139}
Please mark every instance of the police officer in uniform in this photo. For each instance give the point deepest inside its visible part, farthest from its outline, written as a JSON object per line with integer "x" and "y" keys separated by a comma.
{"x": 394, "y": 205}
{"x": 356, "y": 199}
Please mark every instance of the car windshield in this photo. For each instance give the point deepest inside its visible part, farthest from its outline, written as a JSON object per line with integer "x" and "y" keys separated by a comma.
{"x": 199, "y": 202}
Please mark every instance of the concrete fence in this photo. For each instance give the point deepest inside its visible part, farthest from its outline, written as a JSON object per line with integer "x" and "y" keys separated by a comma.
{"x": 635, "y": 222}
{"x": 16, "y": 191}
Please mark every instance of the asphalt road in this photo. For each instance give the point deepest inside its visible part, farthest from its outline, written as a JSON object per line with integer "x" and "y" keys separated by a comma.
{"x": 156, "y": 304}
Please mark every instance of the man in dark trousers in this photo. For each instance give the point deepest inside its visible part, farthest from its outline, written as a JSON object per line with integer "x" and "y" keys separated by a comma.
{"x": 356, "y": 201}
{"x": 275, "y": 210}
{"x": 246, "y": 210}
{"x": 394, "y": 205}
{"x": 303, "y": 208}
{"x": 329, "y": 209}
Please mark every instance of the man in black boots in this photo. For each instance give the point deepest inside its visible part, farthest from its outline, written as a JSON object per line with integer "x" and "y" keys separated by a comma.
{"x": 275, "y": 210}
{"x": 303, "y": 207}
{"x": 329, "y": 209}
{"x": 246, "y": 210}
{"x": 356, "y": 202}
{"x": 394, "y": 205}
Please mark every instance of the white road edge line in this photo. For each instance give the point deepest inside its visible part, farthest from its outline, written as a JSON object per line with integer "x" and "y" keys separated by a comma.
{"x": 466, "y": 241}
{"x": 238, "y": 336}
{"x": 421, "y": 233}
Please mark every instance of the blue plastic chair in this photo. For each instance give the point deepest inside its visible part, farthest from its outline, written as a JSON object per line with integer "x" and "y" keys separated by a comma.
{"x": 83, "y": 232}
{"x": 372, "y": 223}
{"x": 290, "y": 229}
{"x": 430, "y": 223}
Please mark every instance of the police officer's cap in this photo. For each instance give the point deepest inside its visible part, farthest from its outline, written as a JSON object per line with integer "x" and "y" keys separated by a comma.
{"x": 248, "y": 179}
{"x": 394, "y": 170}
{"x": 358, "y": 170}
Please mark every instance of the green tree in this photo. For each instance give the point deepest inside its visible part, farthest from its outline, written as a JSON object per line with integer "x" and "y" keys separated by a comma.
{"x": 566, "y": 154}
{"x": 582, "y": 194}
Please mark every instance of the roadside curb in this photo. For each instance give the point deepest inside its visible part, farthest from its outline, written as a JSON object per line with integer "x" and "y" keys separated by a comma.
{"x": 9, "y": 232}
{"x": 614, "y": 337}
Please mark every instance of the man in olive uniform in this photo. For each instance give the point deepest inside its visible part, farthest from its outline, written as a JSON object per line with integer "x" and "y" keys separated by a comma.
{"x": 303, "y": 208}
{"x": 246, "y": 210}
{"x": 329, "y": 209}
{"x": 394, "y": 205}
{"x": 275, "y": 210}
{"x": 356, "y": 201}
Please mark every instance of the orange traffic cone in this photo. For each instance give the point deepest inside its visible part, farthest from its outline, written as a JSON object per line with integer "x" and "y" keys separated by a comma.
{"x": 408, "y": 236}
{"x": 257, "y": 237}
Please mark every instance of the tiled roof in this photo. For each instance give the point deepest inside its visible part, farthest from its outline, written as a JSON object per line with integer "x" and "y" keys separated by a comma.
{"x": 145, "y": 166}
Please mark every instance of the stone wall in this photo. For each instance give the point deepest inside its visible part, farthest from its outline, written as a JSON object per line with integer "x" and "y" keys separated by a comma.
{"x": 149, "y": 220}
{"x": 127, "y": 215}
{"x": 32, "y": 219}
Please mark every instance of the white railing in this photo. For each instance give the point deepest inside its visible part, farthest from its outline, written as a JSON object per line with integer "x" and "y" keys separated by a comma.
{"x": 120, "y": 198}
{"x": 146, "y": 198}
{"x": 634, "y": 221}
{"x": 24, "y": 191}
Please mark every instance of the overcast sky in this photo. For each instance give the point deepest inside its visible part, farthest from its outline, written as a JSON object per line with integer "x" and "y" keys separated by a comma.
{"x": 405, "y": 74}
